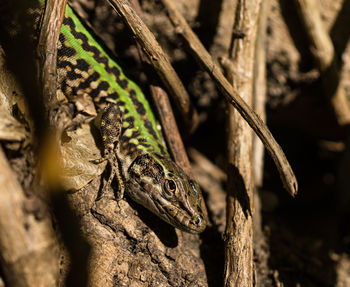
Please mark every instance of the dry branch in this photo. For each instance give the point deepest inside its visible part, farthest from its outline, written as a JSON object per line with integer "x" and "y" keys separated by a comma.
{"x": 47, "y": 47}
{"x": 239, "y": 226}
{"x": 159, "y": 60}
{"x": 203, "y": 57}
{"x": 171, "y": 131}
{"x": 259, "y": 90}
{"x": 259, "y": 102}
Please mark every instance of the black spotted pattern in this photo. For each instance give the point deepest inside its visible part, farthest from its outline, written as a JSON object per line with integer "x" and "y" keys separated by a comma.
{"x": 76, "y": 78}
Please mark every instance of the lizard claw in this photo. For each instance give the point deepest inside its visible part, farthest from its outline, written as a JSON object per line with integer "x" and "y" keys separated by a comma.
{"x": 98, "y": 161}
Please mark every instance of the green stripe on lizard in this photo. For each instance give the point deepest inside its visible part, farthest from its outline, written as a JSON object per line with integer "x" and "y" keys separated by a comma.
{"x": 132, "y": 144}
{"x": 88, "y": 51}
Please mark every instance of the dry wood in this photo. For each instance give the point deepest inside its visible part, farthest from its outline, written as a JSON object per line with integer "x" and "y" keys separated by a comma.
{"x": 322, "y": 49}
{"x": 200, "y": 53}
{"x": 159, "y": 60}
{"x": 171, "y": 131}
{"x": 222, "y": 43}
{"x": 259, "y": 90}
{"x": 47, "y": 47}
{"x": 240, "y": 199}
{"x": 47, "y": 52}
{"x": 10, "y": 128}
{"x": 261, "y": 254}
{"x": 29, "y": 251}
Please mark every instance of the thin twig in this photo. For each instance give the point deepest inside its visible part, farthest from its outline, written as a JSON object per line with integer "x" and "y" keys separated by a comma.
{"x": 171, "y": 131}
{"x": 159, "y": 61}
{"x": 203, "y": 57}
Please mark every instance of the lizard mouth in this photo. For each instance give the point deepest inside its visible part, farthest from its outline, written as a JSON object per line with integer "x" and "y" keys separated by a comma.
{"x": 180, "y": 218}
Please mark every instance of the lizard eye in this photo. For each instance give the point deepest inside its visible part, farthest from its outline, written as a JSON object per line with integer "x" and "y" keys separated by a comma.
{"x": 169, "y": 187}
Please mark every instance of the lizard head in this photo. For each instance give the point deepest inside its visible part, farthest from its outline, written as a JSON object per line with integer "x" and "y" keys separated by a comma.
{"x": 161, "y": 186}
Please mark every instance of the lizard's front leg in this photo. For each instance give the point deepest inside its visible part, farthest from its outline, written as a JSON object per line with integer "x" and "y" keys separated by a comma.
{"x": 110, "y": 127}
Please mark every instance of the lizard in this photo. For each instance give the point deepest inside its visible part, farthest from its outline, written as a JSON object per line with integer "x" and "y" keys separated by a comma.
{"x": 132, "y": 145}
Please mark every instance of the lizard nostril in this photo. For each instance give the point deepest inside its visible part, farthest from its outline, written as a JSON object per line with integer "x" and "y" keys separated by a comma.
{"x": 197, "y": 220}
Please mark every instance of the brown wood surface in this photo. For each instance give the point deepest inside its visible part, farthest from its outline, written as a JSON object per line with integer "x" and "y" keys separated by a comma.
{"x": 102, "y": 243}
{"x": 241, "y": 185}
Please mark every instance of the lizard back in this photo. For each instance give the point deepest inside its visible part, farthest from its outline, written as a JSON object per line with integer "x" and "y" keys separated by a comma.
{"x": 85, "y": 68}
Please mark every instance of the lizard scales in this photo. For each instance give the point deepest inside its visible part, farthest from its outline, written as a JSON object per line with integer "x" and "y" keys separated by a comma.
{"x": 132, "y": 143}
